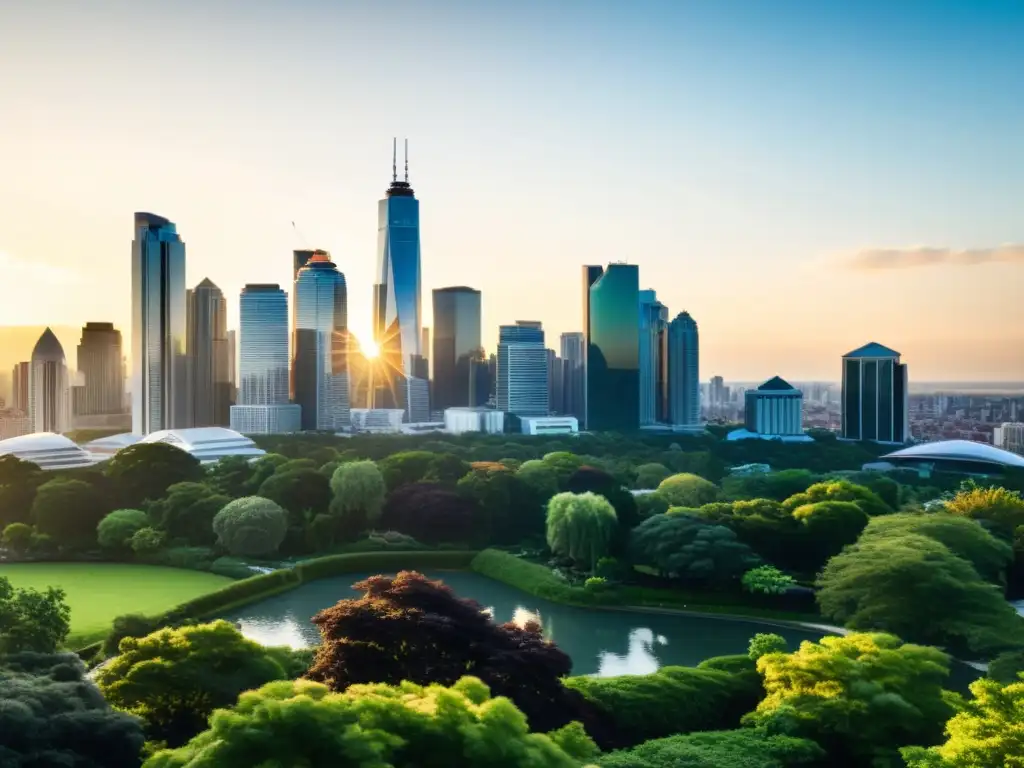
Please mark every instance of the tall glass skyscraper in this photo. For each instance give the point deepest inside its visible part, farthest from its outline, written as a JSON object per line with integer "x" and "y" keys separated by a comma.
{"x": 522, "y": 369}
{"x": 456, "y": 347}
{"x": 612, "y": 328}
{"x": 320, "y": 351}
{"x": 159, "y": 375}
{"x": 397, "y": 316}
{"x": 684, "y": 372}
{"x": 875, "y": 395}
{"x": 101, "y": 362}
{"x": 263, "y": 406}
{"x": 653, "y": 359}
{"x": 209, "y": 391}
{"x": 574, "y": 356}
{"x": 49, "y": 386}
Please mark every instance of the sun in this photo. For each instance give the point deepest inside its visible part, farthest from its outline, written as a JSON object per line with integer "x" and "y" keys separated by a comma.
{"x": 369, "y": 348}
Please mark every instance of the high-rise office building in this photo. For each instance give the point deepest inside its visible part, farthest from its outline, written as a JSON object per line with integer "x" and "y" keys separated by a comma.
{"x": 456, "y": 346}
{"x": 522, "y": 369}
{"x": 612, "y": 328}
{"x": 425, "y": 349}
{"x": 320, "y": 350}
{"x": 207, "y": 333}
{"x": 653, "y": 359}
{"x": 263, "y": 406}
{"x": 684, "y": 372}
{"x": 573, "y": 349}
{"x": 49, "y": 386}
{"x": 1009, "y": 436}
{"x": 19, "y": 387}
{"x": 558, "y": 379}
{"x": 875, "y": 395}
{"x": 397, "y": 315}
{"x": 299, "y": 259}
{"x": 101, "y": 363}
{"x": 233, "y": 364}
{"x": 159, "y": 365}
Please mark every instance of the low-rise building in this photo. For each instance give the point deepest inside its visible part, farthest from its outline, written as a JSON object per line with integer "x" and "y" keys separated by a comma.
{"x": 549, "y": 425}
{"x": 487, "y": 420}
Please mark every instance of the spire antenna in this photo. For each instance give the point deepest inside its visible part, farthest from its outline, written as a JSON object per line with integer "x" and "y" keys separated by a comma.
{"x": 406, "y": 161}
{"x": 394, "y": 159}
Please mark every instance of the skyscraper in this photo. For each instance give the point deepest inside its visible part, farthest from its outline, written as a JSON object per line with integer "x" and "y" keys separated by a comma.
{"x": 101, "y": 362}
{"x": 207, "y": 333}
{"x": 684, "y": 372}
{"x": 396, "y": 295}
{"x": 49, "y": 386}
{"x": 233, "y": 364}
{"x": 263, "y": 406}
{"x": 613, "y": 347}
{"x": 320, "y": 350}
{"x": 522, "y": 369}
{"x": 159, "y": 376}
{"x": 573, "y": 357}
{"x": 299, "y": 259}
{"x": 456, "y": 346}
{"x": 19, "y": 387}
{"x": 875, "y": 395}
{"x": 653, "y": 363}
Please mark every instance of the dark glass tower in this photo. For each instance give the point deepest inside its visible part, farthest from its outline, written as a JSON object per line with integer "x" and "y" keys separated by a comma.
{"x": 456, "y": 346}
{"x": 875, "y": 395}
{"x": 612, "y": 328}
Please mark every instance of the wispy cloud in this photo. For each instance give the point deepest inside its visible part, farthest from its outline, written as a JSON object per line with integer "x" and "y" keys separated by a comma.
{"x": 924, "y": 256}
{"x": 29, "y": 272}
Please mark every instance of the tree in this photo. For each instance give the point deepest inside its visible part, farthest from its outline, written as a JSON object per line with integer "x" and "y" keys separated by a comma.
{"x": 145, "y": 471}
{"x": 68, "y": 511}
{"x": 430, "y": 514}
{"x": 407, "y": 467}
{"x": 997, "y": 505}
{"x": 987, "y": 733}
{"x": 767, "y": 580}
{"x": 581, "y": 526}
{"x": 827, "y": 527}
{"x": 251, "y": 526}
{"x": 18, "y": 537}
{"x": 746, "y": 748}
{"x": 446, "y": 470}
{"x": 293, "y": 465}
{"x": 302, "y": 723}
{"x": 146, "y": 541}
{"x": 19, "y": 480}
{"x": 53, "y": 716}
{"x": 962, "y": 535}
{"x": 648, "y": 504}
{"x": 777, "y": 486}
{"x": 690, "y": 549}
{"x": 358, "y": 495}
{"x": 1007, "y": 667}
{"x": 31, "y": 620}
{"x": 771, "y": 531}
{"x": 860, "y": 697}
{"x": 174, "y": 679}
{"x": 651, "y": 475}
{"x": 262, "y": 468}
{"x": 840, "y": 490}
{"x": 187, "y": 512}
{"x": 540, "y": 477}
{"x": 686, "y": 490}
{"x": 407, "y": 628}
{"x": 230, "y": 476}
{"x": 115, "y": 531}
{"x": 563, "y": 464}
{"x": 915, "y": 587}
{"x": 764, "y": 643}
{"x": 596, "y": 480}
{"x": 302, "y": 493}
{"x": 509, "y": 508}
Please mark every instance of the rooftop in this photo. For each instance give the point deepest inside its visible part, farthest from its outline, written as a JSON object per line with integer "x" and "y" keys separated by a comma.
{"x": 958, "y": 450}
{"x": 776, "y": 384}
{"x": 872, "y": 350}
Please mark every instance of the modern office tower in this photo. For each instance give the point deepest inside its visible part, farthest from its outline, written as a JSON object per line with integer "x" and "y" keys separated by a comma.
{"x": 320, "y": 350}
{"x": 396, "y": 294}
{"x": 875, "y": 395}
{"x": 263, "y": 407}
{"x": 233, "y": 364}
{"x": 19, "y": 387}
{"x": 775, "y": 408}
{"x": 159, "y": 364}
{"x": 49, "y": 386}
{"x": 492, "y": 377}
{"x": 717, "y": 395}
{"x": 612, "y": 297}
{"x": 653, "y": 359}
{"x": 299, "y": 259}
{"x": 1010, "y": 437}
{"x": 522, "y": 370}
{"x": 558, "y": 379}
{"x": 573, "y": 356}
{"x": 101, "y": 362}
{"x": 206, "y": 324}
{"x": 684, "y": 372}
{"x": 456, "y": 346}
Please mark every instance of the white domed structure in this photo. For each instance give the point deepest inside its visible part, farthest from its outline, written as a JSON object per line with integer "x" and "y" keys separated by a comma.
{"x": 208, "y": 444}
{"x": 48, "y": 451}
{"x": 108, "y": 446}
{"x": 956, "y": 456}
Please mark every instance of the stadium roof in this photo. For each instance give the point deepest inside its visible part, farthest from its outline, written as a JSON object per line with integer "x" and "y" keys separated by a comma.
{"x": 957, "y": 450}
{"x": 48, "y": 451}
{"x": 208, "y": 444}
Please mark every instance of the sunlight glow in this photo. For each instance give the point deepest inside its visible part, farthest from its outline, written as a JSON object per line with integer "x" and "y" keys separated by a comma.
{"x": 369, "y": 348}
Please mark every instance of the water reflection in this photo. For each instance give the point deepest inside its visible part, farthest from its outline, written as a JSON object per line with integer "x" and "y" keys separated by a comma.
{"x": 640, "y": 659}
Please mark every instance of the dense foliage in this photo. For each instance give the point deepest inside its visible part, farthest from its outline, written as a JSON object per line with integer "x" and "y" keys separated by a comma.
{"x": 31, "y": 620}
{"x": 747, "y": 748}
{"x": 115, "y": 531}
{"x": 581, "y": 527}
{"x": 687, "y": 490}
{"x": 840, "y": 490}
{"x": 430, "y": 514}
{"x": 145, "y": 471}
{"x": 691, "y": 549}
{"x": 358, "y": 496}
{"x": 251, "y": 526}
{"x": 68, "y": 511}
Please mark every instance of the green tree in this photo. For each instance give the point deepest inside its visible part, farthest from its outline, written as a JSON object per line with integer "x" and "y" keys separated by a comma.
{"x": 187, "y": 511}
{"x": 31, "y": 620}
{"x": 303, "y": 723}
{"x": 581, "y": 526}
{"x": 651, "y": 475}
{"x": 302, "y": 493}
{"x": 746, "y": 748}
{"x": 1007, "y": 667}
{"x": 777, "y": 486}
{"x": 294, "y": 465}
{"x": 914, "y": 586}
{"x": 262, "y": 468}
{"x": 827, "y": 527}
{"x": 407, "y": 467}
{"x": 509, "y": 508}
{"x": 691, "y": 549}
{"x": 230, "y": 476}
{"x": 145, "y": 471}
{"x": 648, "y": 504}
{"x": 764, "y": 643}
{"x": 840, "y": 490}
{"x": 18, "y": 537}
{"x": 446, "y": 469}
{"x": 564, "y": 465}
{"x": 771, "y": 531}
{"x": 115, "y": 531}
{"x": 767, "y": 580}
{"x": 174, "y": 679}
{"x": 146, "y": 541}
{"x": 358, "y": 495}
{"x": 997, "y": 505}
{"x": 987, "y": 733}
{"x": 540, "y": 477}
{"x": 686, "y": 490}
{"x": 861, "y": 697}
{"x": 251, "y": 526}
{"x": 19, "y": 480}
{"x": 68, "y": 511}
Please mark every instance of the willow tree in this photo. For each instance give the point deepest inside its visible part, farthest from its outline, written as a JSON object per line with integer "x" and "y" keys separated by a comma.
{"x": 581, "y": 526}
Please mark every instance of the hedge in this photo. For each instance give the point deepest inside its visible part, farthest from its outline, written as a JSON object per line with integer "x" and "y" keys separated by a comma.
{"x": 531, "y": 578}
{"x": 384, "y": 562}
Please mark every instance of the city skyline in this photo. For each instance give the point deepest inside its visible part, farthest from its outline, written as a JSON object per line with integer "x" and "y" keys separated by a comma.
{"x": 749, "y": 212}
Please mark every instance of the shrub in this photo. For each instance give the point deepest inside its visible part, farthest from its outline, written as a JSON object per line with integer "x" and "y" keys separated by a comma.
{"x": 596, "y": 584}
{"x": 767, "y": 580}
{"x": 146, "y": 540}
{"x": 116, "y": 530}
{"x": 1007, "y": 667}
{"x": 745, "y": 748}
{"x": 534, "y": 579}
{"x": 18, "y": 537}
{"x": 251, "y": 526}
{"x": 686, "y": 490}
{"x": 581, "y": 526}
{"x": 379, "y": 562}
{"x": 764, "y": 643}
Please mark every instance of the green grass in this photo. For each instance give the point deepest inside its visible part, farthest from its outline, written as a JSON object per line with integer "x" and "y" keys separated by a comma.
{"x": 99, "y": 592}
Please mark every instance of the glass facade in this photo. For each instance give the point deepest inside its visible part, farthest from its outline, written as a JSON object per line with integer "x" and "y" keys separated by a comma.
{"x": 456, "y": 347}
{"x": 522, "y": 370}
{"x": 101, "y": 361}
{"x": 207, "y": 333}
{"x": 263, "y": 355}
{"x": 874, "y": 395}
{"x": 320, "y": 351}
{"x": 49, "y": 386}
{"x": 684, "y": 371}
{"x": 613, "y": 348}
{"x": 653, "y": 342}
{"x": 159, "y": 365}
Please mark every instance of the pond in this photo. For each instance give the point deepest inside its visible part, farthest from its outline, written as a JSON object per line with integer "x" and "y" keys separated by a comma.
{"x": 598, "y": 641}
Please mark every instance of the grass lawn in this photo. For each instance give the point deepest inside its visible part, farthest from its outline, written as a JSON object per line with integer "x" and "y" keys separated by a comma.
{"x": 99, "y": 592}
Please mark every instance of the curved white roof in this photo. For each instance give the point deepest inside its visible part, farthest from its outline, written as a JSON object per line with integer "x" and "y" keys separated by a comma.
{"x": 112, "y": 443}
{"x": 959, "y": 450}
{"x": 208, "y": 444}
{"x": 48, "y": 450}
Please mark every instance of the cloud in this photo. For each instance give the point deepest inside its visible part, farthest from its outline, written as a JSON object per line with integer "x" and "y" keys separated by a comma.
{"x": 28, "y": 273}
{"x": 923, "y": 256}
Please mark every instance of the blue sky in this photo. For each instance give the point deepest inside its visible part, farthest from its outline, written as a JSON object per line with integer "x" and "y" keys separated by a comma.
{"x": 742, "y": 153}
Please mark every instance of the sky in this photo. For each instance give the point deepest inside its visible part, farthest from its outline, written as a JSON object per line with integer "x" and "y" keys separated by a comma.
{"x": 801, "y": 176}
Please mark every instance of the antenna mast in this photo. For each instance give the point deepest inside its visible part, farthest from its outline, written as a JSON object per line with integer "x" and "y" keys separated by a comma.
{"x": 394, "y": 159}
